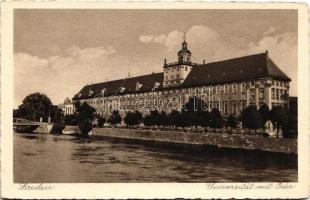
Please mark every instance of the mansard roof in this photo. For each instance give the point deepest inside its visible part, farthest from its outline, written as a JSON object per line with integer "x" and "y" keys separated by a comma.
{"x": 122, "y": 86}
{"x": 233, "y": 70}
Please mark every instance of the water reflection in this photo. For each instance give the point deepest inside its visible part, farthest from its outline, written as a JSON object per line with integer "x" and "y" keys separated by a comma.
{"x": 60, "y": 158}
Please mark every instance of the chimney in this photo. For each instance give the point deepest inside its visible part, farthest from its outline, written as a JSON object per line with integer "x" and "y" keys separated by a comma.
{"x": 165, "y": 63}
{"x": 204, "y": 61}
{"x": 266, "y": 54}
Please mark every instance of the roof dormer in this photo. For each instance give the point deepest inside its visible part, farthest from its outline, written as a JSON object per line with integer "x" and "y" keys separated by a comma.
{"x": 138, "y": 86}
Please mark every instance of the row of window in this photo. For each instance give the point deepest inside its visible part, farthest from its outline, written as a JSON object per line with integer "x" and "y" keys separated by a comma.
{"x": 279, "y": 83}
{"x": 278, "y": 94}
{"x": 172, "y": 77}
{"x": 225, "y": 88}
{"x": 198, "y": 90}
{"x": 184, "y": 58}
{"x": 177, "y": 68}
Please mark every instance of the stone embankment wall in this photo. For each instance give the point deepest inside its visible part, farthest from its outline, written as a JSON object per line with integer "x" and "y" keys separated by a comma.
{"x": 247, "y": 142}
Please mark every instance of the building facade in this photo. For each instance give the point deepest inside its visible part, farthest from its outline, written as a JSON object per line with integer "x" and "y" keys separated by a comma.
{"x": 67, "y": 107}
{"x": 229, "y": 85}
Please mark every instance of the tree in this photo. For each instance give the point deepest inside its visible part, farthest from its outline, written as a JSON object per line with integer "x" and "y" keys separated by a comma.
{"x": 251, "y": 118}
{"x": 194, "y": 113}
{"x": 147, "y": 120}
{"x": 115, "y": 118}
{"x": 265, "y": 113}
{"x": 279, "y": 117}
{"x": 216, "y": 120}
{"x": 71, "y": 120}
{"x": 163, "y": 119}
{"x": 35, "y": 106}
{"x": 152, "y": 119}
{"x": 101, "y": 121}
{"x": 139, "y": 117}
{"x": 173, "y": 118}
{"x": 56, "y": 114}
{"x": 133, "y": 118}
{"x": 85, "y": 111}
{"x": 85, "y": 127}
{"x": 84, "y": 116}
{"x": 232, "y": 121}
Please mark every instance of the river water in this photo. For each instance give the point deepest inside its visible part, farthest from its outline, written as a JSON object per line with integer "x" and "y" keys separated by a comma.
{"x": 67, "y": 159}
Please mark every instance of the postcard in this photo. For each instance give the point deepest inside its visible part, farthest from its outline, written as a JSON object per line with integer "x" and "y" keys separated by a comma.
{"x": 154, "y": 100}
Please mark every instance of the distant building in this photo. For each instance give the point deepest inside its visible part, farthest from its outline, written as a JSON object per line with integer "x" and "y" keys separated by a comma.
{"x": 67, "y": 107}
{"x": 229, "y": 85}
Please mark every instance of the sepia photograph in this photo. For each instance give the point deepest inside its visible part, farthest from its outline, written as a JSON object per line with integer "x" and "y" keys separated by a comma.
{"x": 156, "y": 95}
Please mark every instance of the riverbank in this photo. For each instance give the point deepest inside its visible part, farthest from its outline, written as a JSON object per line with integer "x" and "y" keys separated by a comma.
{"x": 245, "y": 142}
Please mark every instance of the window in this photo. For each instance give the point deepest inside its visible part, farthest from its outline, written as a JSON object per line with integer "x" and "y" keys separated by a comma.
{"x": 225, "y": 107}
{"x": 281, "y": 95}
{"x": 204, "y": 89}
{"x": 185, "y": 68}
{"x": 187, "y": 59}
{"x": 234, "y": 108}
{"x": 217, "y": 105}
{"x": 218, "y": 88}
{"x": 197, "y": 90}
{"x": 178, "y": 76}
{"x": 225, "y": 88}
{"x": 211, "y": 89}
{"x": 171, "y": 77}
{"x": 285, "y": 95}
{"x": 252, "y": 83}
{"x": 234, "y": 88}
{"x": 277, "y": 94}
{"x": 166, "y": 77}
{"x": 252, "y": 95}
{"x": 242, "y": 105}
{"x": 273, "y": 93}
{"x": 243, "y": 88}
{"x": 261, "y": 93}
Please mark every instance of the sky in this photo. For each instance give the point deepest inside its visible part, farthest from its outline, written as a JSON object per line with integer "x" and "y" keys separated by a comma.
{"x": 58, "y": 51}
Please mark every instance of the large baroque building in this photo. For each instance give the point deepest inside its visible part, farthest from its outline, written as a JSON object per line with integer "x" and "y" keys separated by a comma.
{"x": 229, "y": 85}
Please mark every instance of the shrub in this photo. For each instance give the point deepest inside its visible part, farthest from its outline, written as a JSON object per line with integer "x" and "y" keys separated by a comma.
{"x": 85, "y": 127}
{"x": 251, "y": 118}
{"x": 216, "y": 120}
{"x": 57, "y": 128}
{"x": 231, "y": 121}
